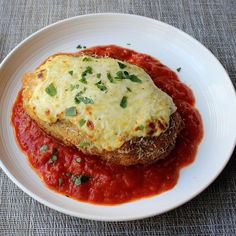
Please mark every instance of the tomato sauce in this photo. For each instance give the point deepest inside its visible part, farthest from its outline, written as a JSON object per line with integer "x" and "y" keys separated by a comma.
{"x": 112, "y": 184}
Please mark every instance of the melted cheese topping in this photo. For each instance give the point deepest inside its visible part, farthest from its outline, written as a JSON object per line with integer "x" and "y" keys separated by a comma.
{"x": 105, "y": 109}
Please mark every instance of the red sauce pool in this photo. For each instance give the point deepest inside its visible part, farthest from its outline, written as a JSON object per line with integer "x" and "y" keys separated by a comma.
{"x": 109, "y": 183}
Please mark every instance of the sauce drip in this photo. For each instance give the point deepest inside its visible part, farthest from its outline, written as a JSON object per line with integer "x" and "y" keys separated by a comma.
{"x": 108, "y": 183}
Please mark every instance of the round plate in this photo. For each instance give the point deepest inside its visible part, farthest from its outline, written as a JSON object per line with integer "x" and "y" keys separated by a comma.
{"x": 215, "y": 99}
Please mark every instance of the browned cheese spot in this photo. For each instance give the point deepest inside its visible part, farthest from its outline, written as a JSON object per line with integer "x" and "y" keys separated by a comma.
{"x": 151, "y": 128}
{"x": 90, "y": 124}
{"x": 89, "y": 110}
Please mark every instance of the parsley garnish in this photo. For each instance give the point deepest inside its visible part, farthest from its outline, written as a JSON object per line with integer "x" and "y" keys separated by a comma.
{"x": 123, "y": 102}
{"x": 85, "y": 100}
{"x": 80, "y": 179}
{"x": 119, "y": 75}
{"x": 129, "y": 89}
{"x": 71, "y": 72}
{"x": 135, "y": 79}
{"x": 109, "y": 76}
{"x": 83, "y": 80}
{"x": 141, "y": 127}
{"x": 71, "y": 111}
{"x": 78, "y": 159}
{"x": 178, "y": 69}
{"x": 82, "y": 122}
{"x": 99, "y": 75}
{"x": 51, "y": 90}
{"x": 88, "y": 70}
{"x": 43, "y": 148}
{"x": 79, "y": 46}
{"x": 125, "y": 75}
{"x": 101, "y": 85}
{"x": 87, "y": 59}
{"x": 121, "y": 65}
{"x": 53, "y": 159}
{"x": 54, "y": 156}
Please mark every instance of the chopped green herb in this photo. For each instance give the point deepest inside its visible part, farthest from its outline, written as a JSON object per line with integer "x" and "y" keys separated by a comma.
{"x": 83, "y": 80}
{"x": 80, "y": 93}
{"x": 79, "y": 46}
{"x": 121, "y": 65}
{"x": 71, "y": 72}
{"x": 123, "y": 102}
{"x": 43, "y": 148}
{"x": 79, "y": 98}
{"x": 85, "y": 100}
{"x": 51, "y": 90}
{"x": 84, "y": 143}
{"x": 72, "y": 87}
{"x": 109, "y": 76}
{"x": 78, "y": 159}
{"x": 68, "y": 174}
{"x": 87, "y": 59}
{"x": 119, "y": 75}
{"x": 101, "y": 85}
{"x": 82, "y": 122}
{"x": 141, "y": 127}
{"x": 129, "y": 89}
{"x": 178, "y": 69}
{"x": 71, "y": 111}
{"x": 60, "y": 181}
{"x": 99, "y": 75}
{"x": 135, "y": 79}
{"x": 89, "y": 70}
{"x": 54, "y": 156}
{"x": 126, "y": 73}
{"x": 80, "y": 179}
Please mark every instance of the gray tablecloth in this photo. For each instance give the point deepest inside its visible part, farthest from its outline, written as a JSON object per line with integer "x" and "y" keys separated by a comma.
{"x": 213, "y": 212}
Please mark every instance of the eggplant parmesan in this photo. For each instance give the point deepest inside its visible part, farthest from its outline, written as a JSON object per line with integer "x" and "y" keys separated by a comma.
{"x": 103, "y": 106}
{"x": 111, "y": 102}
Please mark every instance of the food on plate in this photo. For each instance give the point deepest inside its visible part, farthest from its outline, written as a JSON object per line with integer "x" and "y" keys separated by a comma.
{"x": 89, "y": 120}
{"x": 103, "y": 106}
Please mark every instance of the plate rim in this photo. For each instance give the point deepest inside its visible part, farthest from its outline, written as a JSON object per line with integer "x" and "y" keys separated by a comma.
{"x": 106, "y": 218}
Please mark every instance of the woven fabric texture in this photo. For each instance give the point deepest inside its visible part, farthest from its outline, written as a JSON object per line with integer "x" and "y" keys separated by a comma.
{"x": 213, "y": 212}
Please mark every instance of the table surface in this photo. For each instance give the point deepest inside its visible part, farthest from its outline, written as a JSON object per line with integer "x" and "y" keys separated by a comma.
{"x": 213, "y": 212}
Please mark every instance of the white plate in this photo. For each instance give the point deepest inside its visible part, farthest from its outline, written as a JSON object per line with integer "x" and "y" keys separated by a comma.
{"x": 212, "y": 88}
